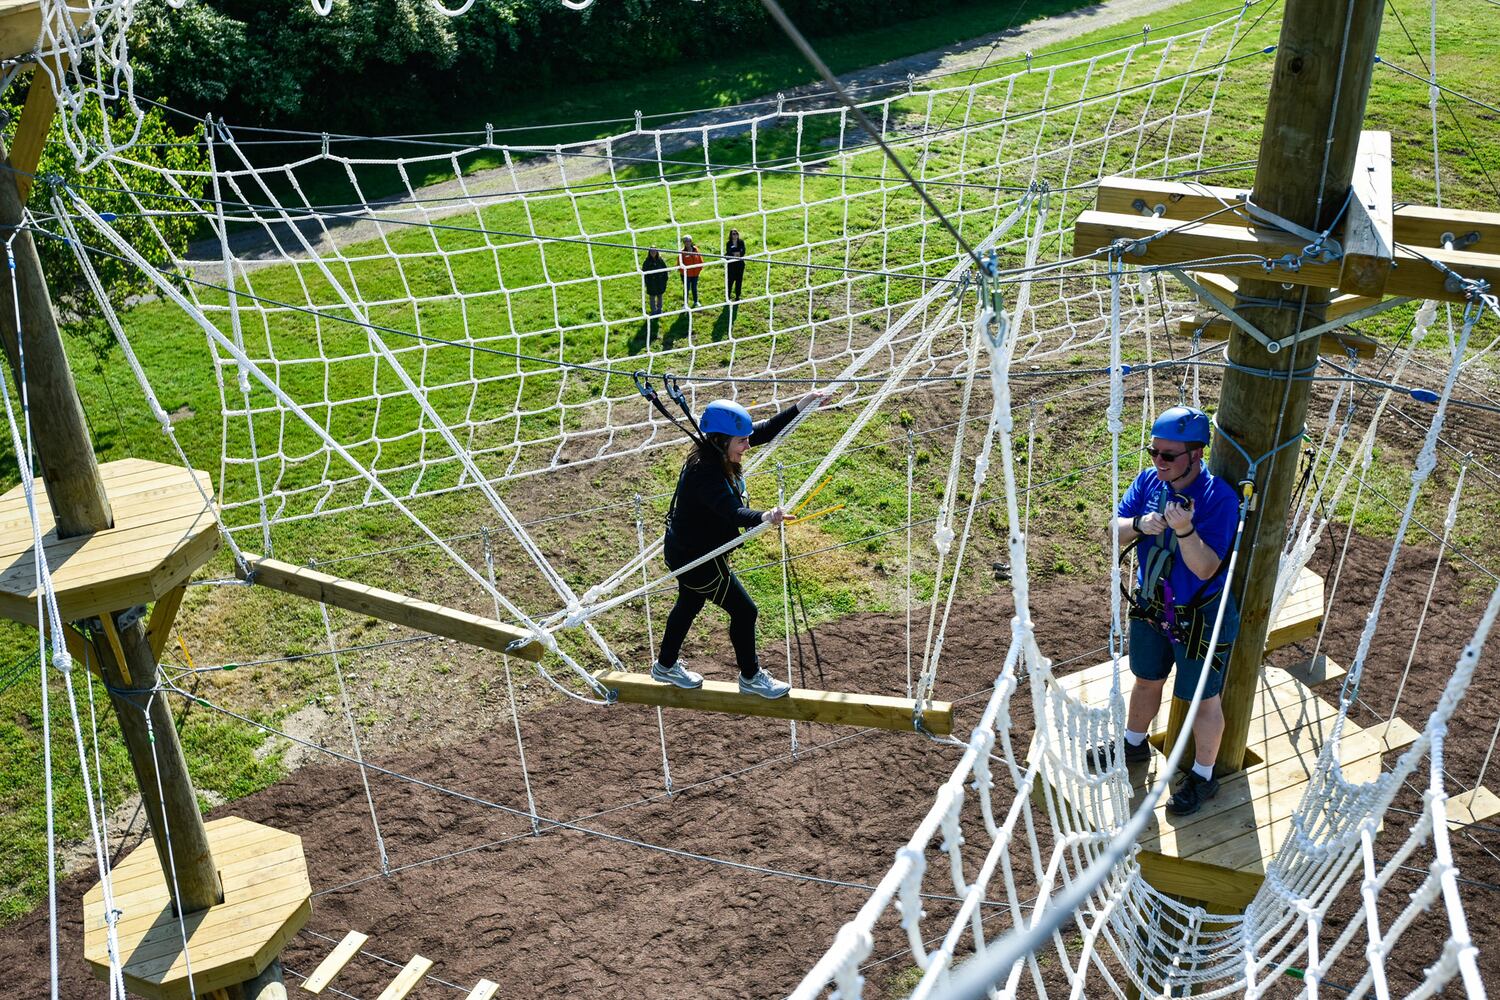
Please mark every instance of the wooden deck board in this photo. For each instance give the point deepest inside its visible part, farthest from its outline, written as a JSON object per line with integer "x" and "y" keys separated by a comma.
{"x": 387, "y": 605}
{"x": 267, "y": 899}
{"x": 1477, "y": 805}
{"x": 1219, "y": 854}
{"x": 163, "y": 530}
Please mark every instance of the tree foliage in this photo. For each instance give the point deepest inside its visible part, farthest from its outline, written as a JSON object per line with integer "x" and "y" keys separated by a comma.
{"x": 380, "y": 66}
{"x": 160, "y": 232}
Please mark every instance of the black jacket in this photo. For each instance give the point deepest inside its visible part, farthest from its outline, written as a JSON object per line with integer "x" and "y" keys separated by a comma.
{"x": 736, "y": 250}
{"x": 655, "y": 271}
{"x": 707, "y": 510}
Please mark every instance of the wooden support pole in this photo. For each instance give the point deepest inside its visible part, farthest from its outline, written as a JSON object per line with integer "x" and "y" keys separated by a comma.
{"x": 156, "y": 756}
{"x": 75, "y": 491}
{"x": 1324, "y": 60}
{"x": 74, "y": 487}
{"x": 31, "y": 133}
{"x": 268, "y": 985}
{"x": 163, "y": 613}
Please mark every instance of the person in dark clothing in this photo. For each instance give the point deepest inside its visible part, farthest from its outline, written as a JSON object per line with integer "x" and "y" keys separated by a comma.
{"x": 708, "y": 510}
{"x": 735, "y": 271}
{"x": 654, "y": 270}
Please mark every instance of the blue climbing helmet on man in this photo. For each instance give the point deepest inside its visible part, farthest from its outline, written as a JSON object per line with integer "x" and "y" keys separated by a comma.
{"x": 1184, "y": 424}
{"x": 725, "y": 416}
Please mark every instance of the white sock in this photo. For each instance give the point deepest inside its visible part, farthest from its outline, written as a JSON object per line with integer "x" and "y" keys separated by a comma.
{"x": 1204, "y": 771}
{"x": 1134, "y": 738}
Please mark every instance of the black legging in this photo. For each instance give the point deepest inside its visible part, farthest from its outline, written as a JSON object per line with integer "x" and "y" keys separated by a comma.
{"x": 736, "y": 278}
{"x": 713, "y": 581}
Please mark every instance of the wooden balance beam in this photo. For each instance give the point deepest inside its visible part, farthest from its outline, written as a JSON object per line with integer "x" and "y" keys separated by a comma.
{"x": 386, "y": 605}
{"x": 868, "y": 710}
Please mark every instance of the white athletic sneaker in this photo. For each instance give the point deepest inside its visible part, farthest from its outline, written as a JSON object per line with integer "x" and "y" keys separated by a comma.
{"x": 764, "y": 685}
{"x": 676, "y": 674}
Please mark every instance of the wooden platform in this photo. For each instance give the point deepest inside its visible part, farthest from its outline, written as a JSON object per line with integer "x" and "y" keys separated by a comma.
{"x": 267, "y": 899}
{"x": 1219, "y": 854}
{"x": 163, "y": 531}
{"x": 1301, "y": 614}
{"x": 869, "y": 710}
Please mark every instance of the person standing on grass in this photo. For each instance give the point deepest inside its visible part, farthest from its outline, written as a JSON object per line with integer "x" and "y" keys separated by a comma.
{"x": 690, "y": 263}
{"x": 708, "y": 510}
{"x": 1185, "y": 519}
{"x": 654, "y": 271}
{"x": 735, "y": 271}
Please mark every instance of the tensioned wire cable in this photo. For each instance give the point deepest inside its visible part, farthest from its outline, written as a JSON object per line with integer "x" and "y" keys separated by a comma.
{"x": 550, "y": 822}
{"x": 469, "y": 200}
{"x": 330, "y": 313}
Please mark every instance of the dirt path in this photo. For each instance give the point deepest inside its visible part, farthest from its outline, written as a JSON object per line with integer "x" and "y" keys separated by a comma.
{"x": 431, "y": 202}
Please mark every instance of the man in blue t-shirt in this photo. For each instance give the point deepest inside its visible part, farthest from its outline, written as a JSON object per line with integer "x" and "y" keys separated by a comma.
{"x": 1185, "y": 519}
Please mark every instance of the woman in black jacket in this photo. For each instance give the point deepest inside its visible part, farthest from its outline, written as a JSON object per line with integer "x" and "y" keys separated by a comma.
{"x": 735, "y": 270}
{"x": 708, "y": 510}
{"x": 654, "y": 270}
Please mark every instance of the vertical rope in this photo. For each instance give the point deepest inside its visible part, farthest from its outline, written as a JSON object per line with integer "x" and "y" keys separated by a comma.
{"x": 786, "y": 600}
{"x": 661, "y": 723}
{"x": 510, "y": 691}
{"x": 911, "y": 458}
{"x": 166, "y": 836}
{"x": 359, "y": 755}
{"x": 1437, "y": 564}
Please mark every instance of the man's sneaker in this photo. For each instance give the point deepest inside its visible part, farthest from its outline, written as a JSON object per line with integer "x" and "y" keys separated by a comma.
{"x": 764, "y": 685}
{"x": 1191, "y": 793}
{"x": 676, "y": 674}
{"x": 1102, "y": 757}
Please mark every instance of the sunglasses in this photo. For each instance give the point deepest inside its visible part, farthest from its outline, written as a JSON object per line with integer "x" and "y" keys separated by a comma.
{"x": 1164, "y": 455}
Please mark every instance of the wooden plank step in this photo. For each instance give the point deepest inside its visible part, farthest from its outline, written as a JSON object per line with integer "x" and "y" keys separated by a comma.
{"x": 833, "y": 707}
{"x": 1477, "y": 805}
{"x": 485, "y": 990}
{"x": 407, "y": 979}
{"x": 336, "y": 960}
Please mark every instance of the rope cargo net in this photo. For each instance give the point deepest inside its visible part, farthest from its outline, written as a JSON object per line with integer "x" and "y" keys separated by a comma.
{"x": 337, "y": 402}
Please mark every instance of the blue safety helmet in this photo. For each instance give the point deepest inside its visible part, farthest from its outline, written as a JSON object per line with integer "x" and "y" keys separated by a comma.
{"x": 1186, "y": 424}
{"x": 725, "y": 416}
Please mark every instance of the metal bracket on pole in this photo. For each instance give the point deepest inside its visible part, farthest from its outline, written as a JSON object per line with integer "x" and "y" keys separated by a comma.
{"x": 1270, "y": 345}
{"x": 1345, "y": 320}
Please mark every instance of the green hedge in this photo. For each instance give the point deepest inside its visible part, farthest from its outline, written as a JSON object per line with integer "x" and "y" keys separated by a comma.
{"x": 383, "y": 66}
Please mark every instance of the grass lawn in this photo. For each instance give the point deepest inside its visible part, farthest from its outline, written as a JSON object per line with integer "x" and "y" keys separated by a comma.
{"x": 487, "y": 283}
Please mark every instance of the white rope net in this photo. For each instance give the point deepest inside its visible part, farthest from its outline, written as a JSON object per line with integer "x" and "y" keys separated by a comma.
{"x": 384, "y": 352}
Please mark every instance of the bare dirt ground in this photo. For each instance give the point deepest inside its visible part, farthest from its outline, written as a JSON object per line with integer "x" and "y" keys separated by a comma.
{"x": 594, "y": 910}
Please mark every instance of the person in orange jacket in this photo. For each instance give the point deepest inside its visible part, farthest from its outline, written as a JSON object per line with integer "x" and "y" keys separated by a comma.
{"x": 690, "y": 263}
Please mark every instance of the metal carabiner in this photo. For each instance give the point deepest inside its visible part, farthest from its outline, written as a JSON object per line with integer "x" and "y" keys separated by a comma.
{"x": 643, "y": 385}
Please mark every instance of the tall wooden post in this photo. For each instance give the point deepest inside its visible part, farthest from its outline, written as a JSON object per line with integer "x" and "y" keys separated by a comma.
{"x": 74, "y": 488}
{"x": 1324, "y": 61}
{"x": 76, "y": 492}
